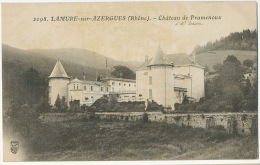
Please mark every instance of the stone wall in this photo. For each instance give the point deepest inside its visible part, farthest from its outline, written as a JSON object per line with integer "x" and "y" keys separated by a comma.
{"x": 242, "y": 123}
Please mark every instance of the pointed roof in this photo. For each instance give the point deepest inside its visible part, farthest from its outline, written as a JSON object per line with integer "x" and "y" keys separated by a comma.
{"x": 160, "y": 59}
{"x": 58, "y": 71}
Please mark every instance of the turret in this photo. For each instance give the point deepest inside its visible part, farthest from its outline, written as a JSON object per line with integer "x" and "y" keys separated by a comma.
{"x": 58, "y": 81}
{"x": 160, "y": 79}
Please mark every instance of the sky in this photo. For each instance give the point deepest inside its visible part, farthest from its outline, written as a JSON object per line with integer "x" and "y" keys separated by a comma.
{"x": 123, "y": 40}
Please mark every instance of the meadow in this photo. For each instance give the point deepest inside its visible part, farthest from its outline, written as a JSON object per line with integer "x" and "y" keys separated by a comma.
{"x": 114, "y": 140}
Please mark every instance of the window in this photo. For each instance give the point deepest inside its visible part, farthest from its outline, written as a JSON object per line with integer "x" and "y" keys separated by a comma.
{"x": 150, "y": 80}
{"x": 124, "y": 84}
{"x": 101, "y": 88}
{"x": 77, "y": 86}
{"x": 74, "y": 86}
{"x": 107, "y": 89}
{"x": 129, "y": 84}
{"x": 113, "y": 83}
{"x": 91, "y": 88}
{"x": 150, "y": 94}
{"x": 85, "y": 87}
{"x": 119, "y": 83}
{"x": 49, "y": 89}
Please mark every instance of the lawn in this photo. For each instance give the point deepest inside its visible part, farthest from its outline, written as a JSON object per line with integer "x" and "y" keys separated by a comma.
{"x": 107, "y": 140}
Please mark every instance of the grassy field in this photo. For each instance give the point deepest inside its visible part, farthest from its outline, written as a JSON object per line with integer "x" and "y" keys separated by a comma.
{"x": 210, "y": 58}
{"x": 104, "y": 140}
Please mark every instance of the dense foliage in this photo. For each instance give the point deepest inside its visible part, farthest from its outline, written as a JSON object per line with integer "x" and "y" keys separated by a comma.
{"x": 228, "y": 91}
{"x": 246, "y": 40}
{"x": 120, "y": 71}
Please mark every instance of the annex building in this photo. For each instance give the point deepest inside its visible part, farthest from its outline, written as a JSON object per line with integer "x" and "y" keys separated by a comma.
{"x": 165, "y": 79}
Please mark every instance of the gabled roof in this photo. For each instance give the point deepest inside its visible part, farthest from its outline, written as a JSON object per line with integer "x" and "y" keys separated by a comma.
{"x": 160, "y": 59}
{"x": 95, "y": 83}
{"x": 58, "y": 71}
{"x": 76, "y": 81}
{"x": 144, "y": 65}
{"x": 181, "y": 59}
{"x": 119, "y": 79}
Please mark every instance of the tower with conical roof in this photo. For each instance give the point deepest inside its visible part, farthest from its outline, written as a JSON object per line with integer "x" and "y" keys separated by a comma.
{"x": 160, "y": 76}
{"x": 58, "y": 81}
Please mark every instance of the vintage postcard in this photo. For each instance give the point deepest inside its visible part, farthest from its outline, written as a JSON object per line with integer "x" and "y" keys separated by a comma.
{"x": 129, "y": 81}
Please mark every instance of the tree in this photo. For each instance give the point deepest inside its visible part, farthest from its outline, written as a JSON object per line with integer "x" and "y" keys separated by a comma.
{"x": 218, "y": 67}
{"x": 58, "y": 102}
{"x": 248, "y": 63}
{"x": 120, "y": 71}
{"x": 206, "y": 68}
{"x": 64, "y": 106}
{"x": 31, "y": 87}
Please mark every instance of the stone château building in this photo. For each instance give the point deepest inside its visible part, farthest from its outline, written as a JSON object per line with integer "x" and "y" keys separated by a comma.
{"x": 168, "y": 79}
{"x": 165, "y": 79}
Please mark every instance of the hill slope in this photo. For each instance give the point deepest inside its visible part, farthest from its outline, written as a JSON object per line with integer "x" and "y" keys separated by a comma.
{"x": 83, "y": 57}
{"x": 210, "y": 58}
{"x": 16, "y": 61}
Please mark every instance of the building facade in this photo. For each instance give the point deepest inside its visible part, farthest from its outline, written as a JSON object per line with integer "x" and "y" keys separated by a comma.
{"x": 87, "y": 92}
{"x": 165, "y": 79}
{"x": 168, "y": 79}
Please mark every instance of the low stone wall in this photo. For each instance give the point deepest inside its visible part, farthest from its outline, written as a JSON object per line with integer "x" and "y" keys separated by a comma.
{"x": 242, "y": 123}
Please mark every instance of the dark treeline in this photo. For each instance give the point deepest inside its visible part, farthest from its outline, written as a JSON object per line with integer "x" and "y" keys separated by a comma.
{"x": 246, "y": 40}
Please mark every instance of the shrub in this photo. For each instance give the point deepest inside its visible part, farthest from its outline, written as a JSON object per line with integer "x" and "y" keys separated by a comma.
{"x": 217, "y": 134}
{"x": 176, "y": 106}
{"x": 153, "y": 106}
{"x": 145, "y": 117}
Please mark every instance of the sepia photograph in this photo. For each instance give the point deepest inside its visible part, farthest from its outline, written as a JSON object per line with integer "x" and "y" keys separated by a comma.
{"x": 129, "y": 81}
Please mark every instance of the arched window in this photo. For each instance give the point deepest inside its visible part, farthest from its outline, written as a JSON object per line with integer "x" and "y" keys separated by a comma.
{"x": 150, "y": 80}
{"x": 74, "y": 86}
{"x": 77, "y": 86}
{"x": 91, "y": 88}
{"x": 150, "y": 94}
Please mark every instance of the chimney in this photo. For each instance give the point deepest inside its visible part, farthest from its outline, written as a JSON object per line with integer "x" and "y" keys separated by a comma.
{"x": 84, "y": 77}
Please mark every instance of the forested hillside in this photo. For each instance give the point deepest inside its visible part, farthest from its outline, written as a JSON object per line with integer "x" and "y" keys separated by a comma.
{"x": 15, "y": 62}
{"x": 245, "y": 40}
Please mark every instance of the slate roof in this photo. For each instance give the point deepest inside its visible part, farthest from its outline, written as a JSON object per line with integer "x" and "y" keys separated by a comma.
{"x": 58, "y": 71}
{"x": 76, "y": 80}
{"x": 119, "y": 79}
{"x": 163, "y": 59}
{"x": 160, "y": 59}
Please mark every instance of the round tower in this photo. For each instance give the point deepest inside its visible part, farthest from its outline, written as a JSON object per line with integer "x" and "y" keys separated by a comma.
{"x": 58, "y": 81}
{"x": 160, "y": 88}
